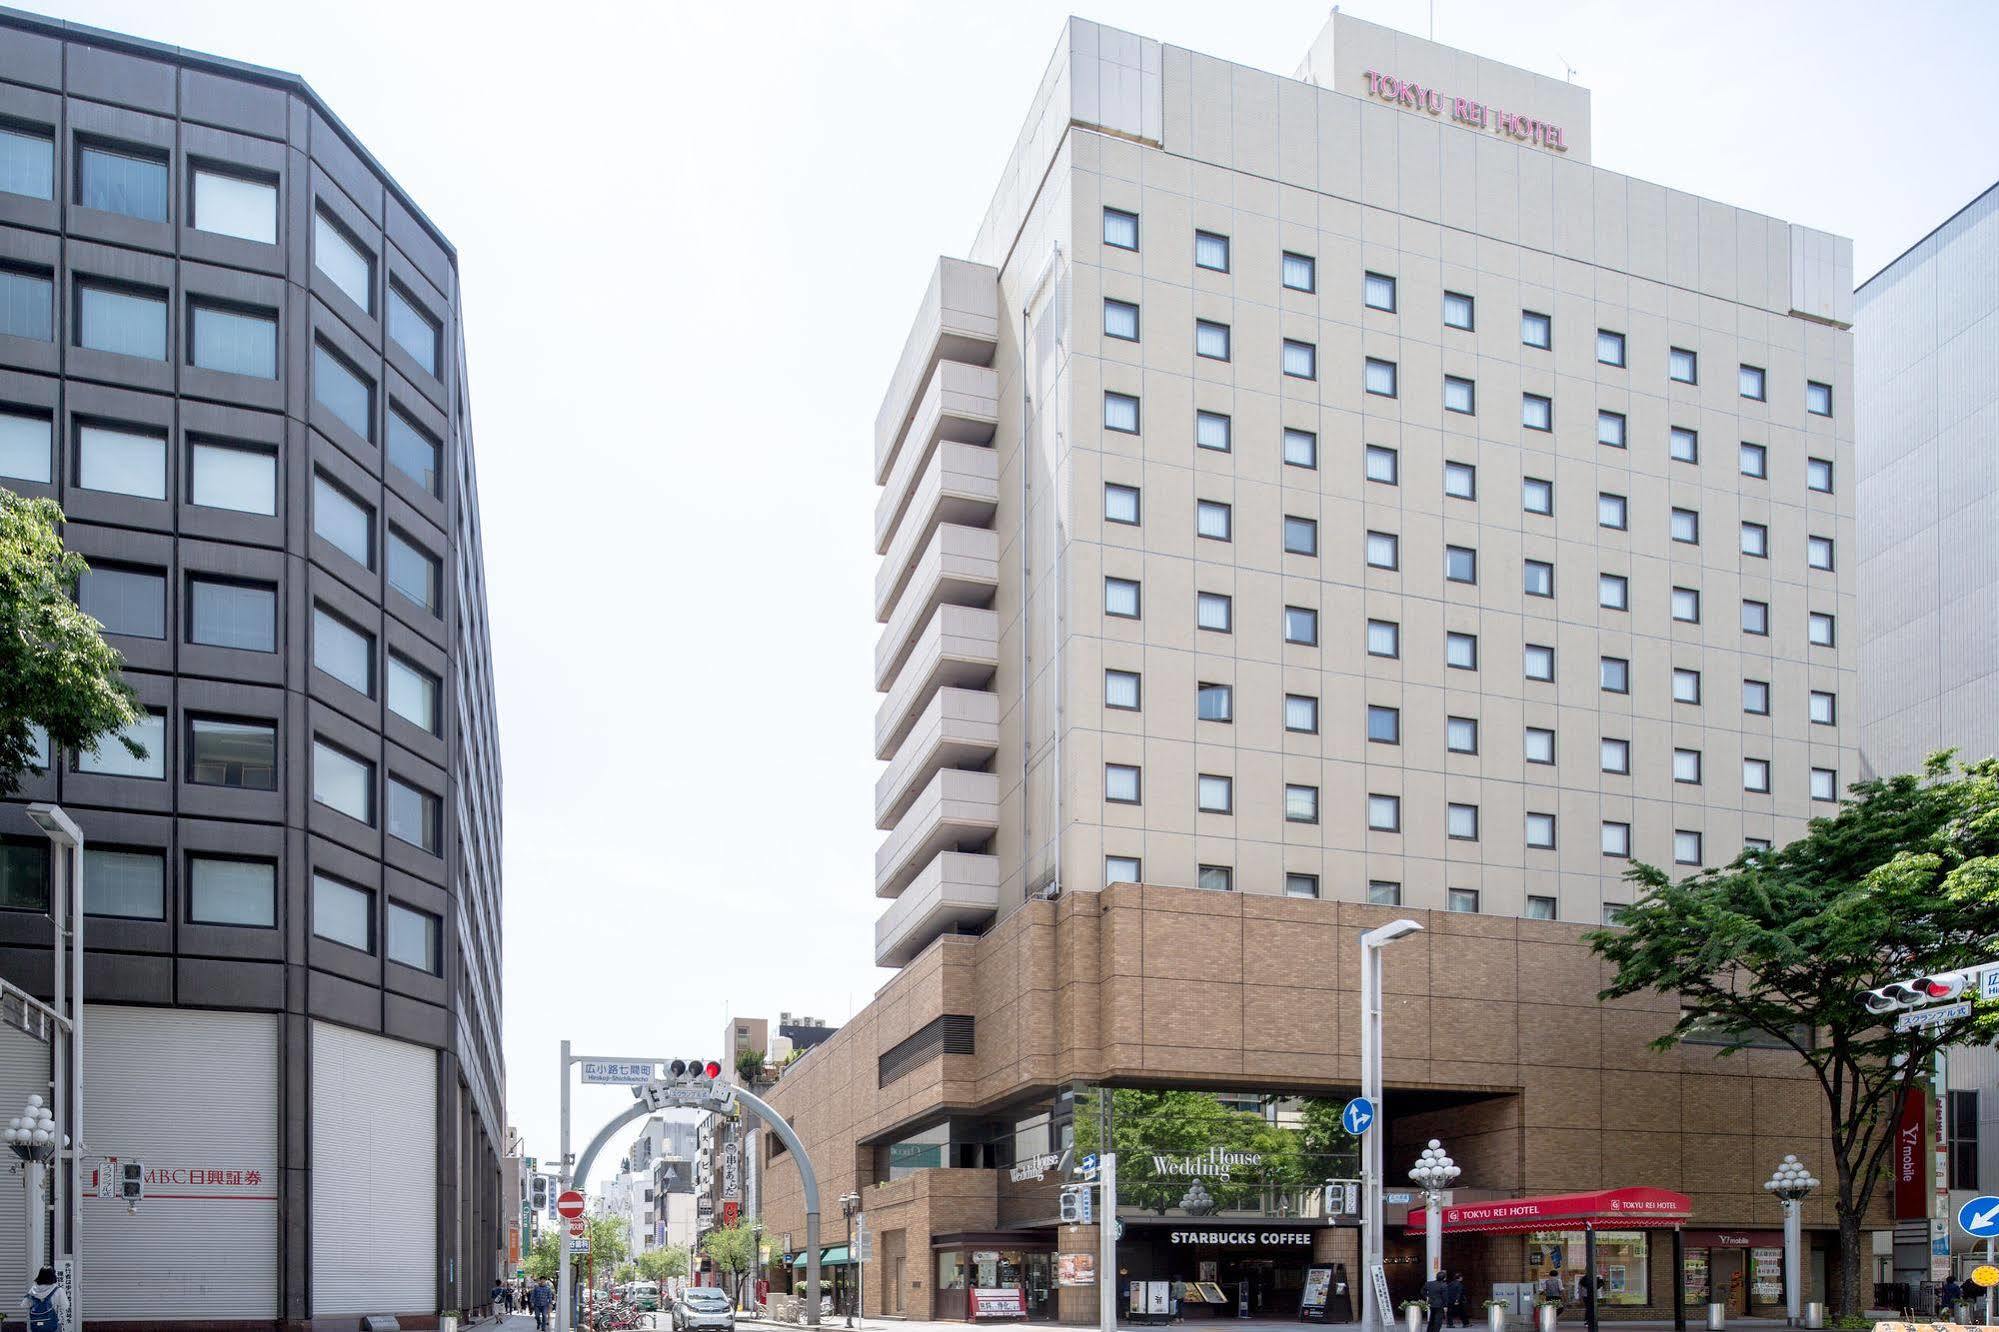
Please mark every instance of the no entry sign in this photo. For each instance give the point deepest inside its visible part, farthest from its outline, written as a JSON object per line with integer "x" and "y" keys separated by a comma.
{"x": 569, "y": 1204}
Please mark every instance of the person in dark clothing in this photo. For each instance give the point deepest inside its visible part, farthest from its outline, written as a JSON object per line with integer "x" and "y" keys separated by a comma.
{"x": 1459, "y": 1310}
{"x": 540, "y": 1300}
{"x": 47, "y": 1303}
{"x": 1437, "y": 1294}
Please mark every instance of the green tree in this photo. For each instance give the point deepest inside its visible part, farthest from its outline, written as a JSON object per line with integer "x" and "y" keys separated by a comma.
{"x": 609, "y": 1242}
{"x": 542, "y": 1257}
{"x": 1775, "y": 948}
{"x": 56, "y": 670}
{"x": 735, "y": 1251}
{"x": 1149, "y": 1126}
{"x": 750, "y": 1066}
{"x": 662, "y": 1265}
{"x": 627, "y": 1273}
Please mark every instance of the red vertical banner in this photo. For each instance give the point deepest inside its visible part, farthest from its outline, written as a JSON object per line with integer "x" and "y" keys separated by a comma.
{"x": 1912, "y": 1201}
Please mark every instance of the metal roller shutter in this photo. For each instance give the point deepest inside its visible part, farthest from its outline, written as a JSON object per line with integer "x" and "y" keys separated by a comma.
{"x": 194, "y": 1095}
{"x": 374, "y": 1174}
{"x": 24, "y": 1072}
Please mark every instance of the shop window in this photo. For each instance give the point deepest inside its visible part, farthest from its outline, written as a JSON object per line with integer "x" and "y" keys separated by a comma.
{"x": 1622, "y": 1263}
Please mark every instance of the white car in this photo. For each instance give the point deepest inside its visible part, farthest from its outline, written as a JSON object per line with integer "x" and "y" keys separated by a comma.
{"x": 703, "y": 1307}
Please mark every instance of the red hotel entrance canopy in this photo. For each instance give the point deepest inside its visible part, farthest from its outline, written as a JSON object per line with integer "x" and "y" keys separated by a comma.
{"x": 1607, "y": 1209}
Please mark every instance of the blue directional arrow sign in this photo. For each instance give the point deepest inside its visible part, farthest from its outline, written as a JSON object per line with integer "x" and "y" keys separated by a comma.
{"x": 1358, "y": 1117}
{"x": 1979, "y": 1218}
{"x": 1086, "y": 1165}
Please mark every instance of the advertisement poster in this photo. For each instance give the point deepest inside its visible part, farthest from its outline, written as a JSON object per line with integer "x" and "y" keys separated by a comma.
{"x": 1004, "y": 1302}
{"x": 1076, "y": 1269}
{"x": 1696, "y": 1278}
{"x": 1318, "y": 1285}
{"x": 1767, "y": 1286}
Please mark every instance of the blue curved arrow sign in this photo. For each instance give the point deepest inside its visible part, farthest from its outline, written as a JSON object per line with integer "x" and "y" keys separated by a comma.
{"x": 1358, "y": 1117}
{"x": 1979, "y": 1217}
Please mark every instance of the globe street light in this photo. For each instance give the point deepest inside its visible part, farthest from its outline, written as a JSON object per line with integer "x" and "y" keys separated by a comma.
{"x": 1790, "y": 1182}
{"x": 849, "y": 1204}
{"x": 34, "y": 1139}
{"x": 1434, "y": 1170}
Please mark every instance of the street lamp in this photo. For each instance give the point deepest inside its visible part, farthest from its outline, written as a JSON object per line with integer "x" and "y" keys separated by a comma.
{"x": 1371, "y": 944}
{"x": 1790, "y": 1182}
{"x": 66, "y": 1089}
{"x": 1434, "y": 1170}
{"x": 34, "y": 1139}
{"x": 849, "y": 1204}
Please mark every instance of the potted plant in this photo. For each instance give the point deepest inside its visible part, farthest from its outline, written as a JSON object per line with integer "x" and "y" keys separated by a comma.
{"x": 1495, "y": 1315}
{"x": 1415, "y": 1313}
{"x": 1546, "y": 1310}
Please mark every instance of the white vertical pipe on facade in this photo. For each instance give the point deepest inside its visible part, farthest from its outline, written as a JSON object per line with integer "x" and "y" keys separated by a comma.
{"x": 562, "y": 1227}
{"x": 1793, "y": 1260}
{"x": 1370, "y": 1156}
{"x": 1107, "y": 1282}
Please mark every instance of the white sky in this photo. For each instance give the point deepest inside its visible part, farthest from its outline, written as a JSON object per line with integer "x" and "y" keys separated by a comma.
{"x": 692, "y": 238}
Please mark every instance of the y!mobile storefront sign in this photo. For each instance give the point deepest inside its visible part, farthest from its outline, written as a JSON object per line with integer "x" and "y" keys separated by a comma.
{"x": 1911, "y": 1198}
{"x": 1464, "y": 111}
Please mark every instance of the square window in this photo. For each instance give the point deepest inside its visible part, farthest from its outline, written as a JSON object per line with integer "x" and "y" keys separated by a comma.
{"x": 1301, "y": 885}
{"x": 343, "y": 651}
{"x": 1686, "y": 605}
{"x": 1460, "y": 564}
{"x": 1380, "y": 378}
{"x": 413, "y": 939}
{"x": 132, "y": 602}
{"x": 1609, "y": 347}
{"x": 1682, "y": 366}
{"x": 1825, "y": 784}
{"x": 1301, "y": 448}
{"x": 1121, "y": 598}
{"x": 1383, "y": 465}
{"x": 1686, "y": 848}
{"x": 1121, "y": 413}
{"x": 1301, "y": 714}
{"x": 1464, "y": 900}
{"x": 1301, "y": 359}
{"x": 1213, "y": 430}
{"x": 415, "y": 816}
{"x": 1537, "y": 412}
{"x": 1614, "y": 756}
{"x": 1301, "y": 535}
{"x": 124, "y": 321}
{"x": 1686, "y": 685}
{"x": 1749, "y": 382}
{"x": 337, "y": 254}
{"x": 1459, "y": 395}
{"x": 342, "y": 782}
{"x": 1818, "y": 475}
{"x": 1121, "y": 690}
{"x": 1301, "y": 273}
{"x": 343, "y": 390}
{"x": 1120, "y": 229}
{"x": 1818, "y": 398}
{"x": 27, "y": 164}
{"x": 1383, "y": 892}
{"x": 1756, "y": 697}
{"x": 414, "y": 573}
{"x": 1461, "y": 735}
{"x": 413, "y": 694}
{"x": 1537, "y": 578}
{"x": 1536, "y": 330}
{"x": 1216, "y": 879}
{"x": 1756, "y": 540}
{"x": 1384, "y": 725}
{"x": 1123, "y": 869}
{"x": 343, "y": 913}
{"x": 1384, "y": 813}
{"x": 121, "y": 462}
{"x": 1461, "y": 651}
{"x": 1756, "y": 618}
{"x": 1687, "y": 766}
{"x": 1536, "y": 495}
{"x": 224, "y": 613}
{"x": 1382, "y": 550}
{"x": 25, "y": 440}
{"x": 342, "y": 521}
{"x": 238, "y": 754}
{"x": 1461, "y": 480}
{"x": 1215, "y": 794}
{"x": 1540, "y": 908}
{"x": 1214, "y": 610}
{"x": 1120, "y": 503}
{"x": 1684, "y": 445}
{"x": 1818, "y": 552}
{"x": 1755, "y": 844}
{"x": 1611, "y": 511}
{"x": 1384, "y": 638}
{"x": 1379, "y": 292}
{"x": 232, "y": 892}
{"x": 1616, "y": 840}
{"x": 1121, "y": 320}
{"x": 1301, "y": 625}
{"x": 1819, "y": 629}
{"x": 1213, "y": 520}
{"x": 1211, "y": 251}
{"x": 27, "y": 304}
{"x": 1824, "y": 708}
{"x": 112, "y": 759}
{"x": 1541, "y": 831}
{"x": 1614, "y": 675}
{"x": 1461, "y": 822}
{"x": 1610, "y": 429}
{"x": 412, "y": 329}
{"x": 223, "y": 476}
{"x": 1214, "y": 702}
{"x": 126, "y": 183}
{"x": 1538, "y": 662}
{"x": 1756, "y": 775}
{"x": 1538, "y": 744}
{"x": 1754, "y": 460}
{"x": 1121, "y": 783}
{"x": 1687, "y": 526}
{"x": 1457, "y": 310}
{"x": 234, "y": 342}
{"x": 1211, "y": 339}
{"x": 1301, "y": 803}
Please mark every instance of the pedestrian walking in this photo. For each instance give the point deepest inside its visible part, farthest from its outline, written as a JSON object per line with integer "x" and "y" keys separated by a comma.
{"x": 1952, "y": 1293}
{"x": 1551, "y": 1288}
{"x": 1437, "y": 1294}
{"x": 47, "y": 1303}
{"x": 1460, "y": 1308}
{"x": 540, "y": 1300}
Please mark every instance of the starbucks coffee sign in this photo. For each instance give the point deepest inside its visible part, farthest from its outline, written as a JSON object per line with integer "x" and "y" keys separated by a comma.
{"x": 1213, "y": 1164}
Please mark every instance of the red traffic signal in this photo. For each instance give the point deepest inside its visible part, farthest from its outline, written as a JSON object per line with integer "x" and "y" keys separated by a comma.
{"x": 712, "y": 1069}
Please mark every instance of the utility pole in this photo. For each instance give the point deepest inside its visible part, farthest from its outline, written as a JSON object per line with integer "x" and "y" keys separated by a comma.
{"x": 1107, "y": 1225}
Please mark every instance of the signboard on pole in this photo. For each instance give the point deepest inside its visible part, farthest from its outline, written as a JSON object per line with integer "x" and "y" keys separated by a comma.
{"x": 618, "y": 1072}
{"x": 569, "y": 1205}
{"x": 1919, "y": 1018}
{"x": 1380, "y": 1281}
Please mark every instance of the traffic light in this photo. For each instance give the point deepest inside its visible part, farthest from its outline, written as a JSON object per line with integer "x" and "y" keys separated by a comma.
{"x": 1076, "y": 1209}
{"x": 131, "y": 1180}
{"x": 539, "y": 1193}
{"x": 693, "y": 1070}
{"x": 1914, "y": 992}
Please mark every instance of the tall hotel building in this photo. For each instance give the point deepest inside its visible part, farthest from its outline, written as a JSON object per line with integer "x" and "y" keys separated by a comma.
{"x": 230, "y": 348}
{"x": 1315, "y": 500}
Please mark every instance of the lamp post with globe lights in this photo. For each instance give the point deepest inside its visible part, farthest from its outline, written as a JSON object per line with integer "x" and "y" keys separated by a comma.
{"x": 1434, "y": 1170}
{"x": 1790, "y": 1182}
{"x": 34, "y": 1139}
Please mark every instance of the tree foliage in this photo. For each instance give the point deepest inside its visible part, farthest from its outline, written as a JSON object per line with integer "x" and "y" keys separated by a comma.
{"x": 750, "y": 1066}
{"x": 56, "y": 671}
{"x": 542, "y": 1256}
{"x": 610, "y": 1242}
{"x": 663, "y": 1265}
{"x": 1147, "y": 1126}
{"x": 1775, "y": 948}
{"x": 735, "y": 1250}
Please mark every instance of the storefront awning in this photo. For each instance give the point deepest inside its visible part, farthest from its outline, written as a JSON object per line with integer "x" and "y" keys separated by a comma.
{"x": 834, "y": 1255}
{"x": 1606, "y": 1209}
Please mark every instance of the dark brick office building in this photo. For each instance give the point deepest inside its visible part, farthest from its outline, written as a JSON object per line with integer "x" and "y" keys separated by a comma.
{"x": 230, "y": 348}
